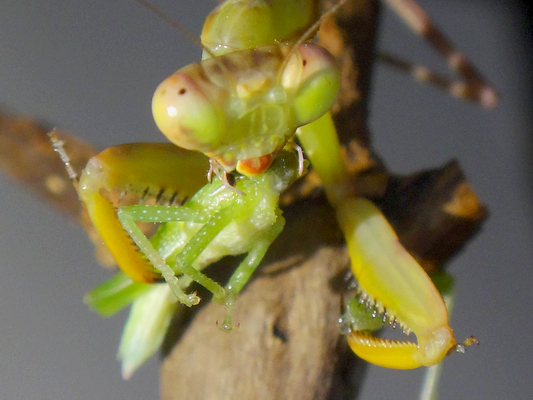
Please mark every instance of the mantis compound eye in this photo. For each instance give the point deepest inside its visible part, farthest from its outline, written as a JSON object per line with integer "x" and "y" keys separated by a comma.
{"x": 186, "y": 115}
{"x": 313, "y": 73}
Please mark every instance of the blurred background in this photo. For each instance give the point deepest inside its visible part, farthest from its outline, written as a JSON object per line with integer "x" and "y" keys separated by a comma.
{"x": 91, "y": 68}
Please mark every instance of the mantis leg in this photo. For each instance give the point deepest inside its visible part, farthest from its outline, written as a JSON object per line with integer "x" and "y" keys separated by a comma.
{"x": 473, "y": 87}
{"x": 391, "y": 282}
{"x": 321, "y": 144}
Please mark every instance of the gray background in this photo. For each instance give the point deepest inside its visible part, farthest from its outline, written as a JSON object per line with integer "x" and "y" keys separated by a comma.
{"x": 91, "y": 66}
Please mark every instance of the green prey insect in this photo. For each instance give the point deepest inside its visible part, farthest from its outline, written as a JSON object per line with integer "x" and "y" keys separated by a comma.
{"x": 213, "y": 223}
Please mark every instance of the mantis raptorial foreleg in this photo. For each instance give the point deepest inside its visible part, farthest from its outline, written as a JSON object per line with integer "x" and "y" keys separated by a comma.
{"x": 391, "y": 283}
{"x": 151, "y": 170}
{"x": 391, "y": 280}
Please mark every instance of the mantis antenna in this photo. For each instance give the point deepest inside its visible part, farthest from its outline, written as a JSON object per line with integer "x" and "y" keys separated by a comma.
{"x": 186, "y": 33}
{"x": 308, "y": 33}
{"x": 174, "y": 24}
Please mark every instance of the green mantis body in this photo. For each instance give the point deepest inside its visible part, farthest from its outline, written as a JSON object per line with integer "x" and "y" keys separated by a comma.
{"x": 238, "y": 109}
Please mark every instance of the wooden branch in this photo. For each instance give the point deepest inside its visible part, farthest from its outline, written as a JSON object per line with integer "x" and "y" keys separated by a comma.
{"x": 27, "y": 156}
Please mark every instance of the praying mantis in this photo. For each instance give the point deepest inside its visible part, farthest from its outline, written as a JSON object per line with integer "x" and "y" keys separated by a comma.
{"x": 424, "y": 312}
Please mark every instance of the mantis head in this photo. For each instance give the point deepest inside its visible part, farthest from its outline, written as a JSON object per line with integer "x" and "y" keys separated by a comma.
{"x": 246, "y": 104}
